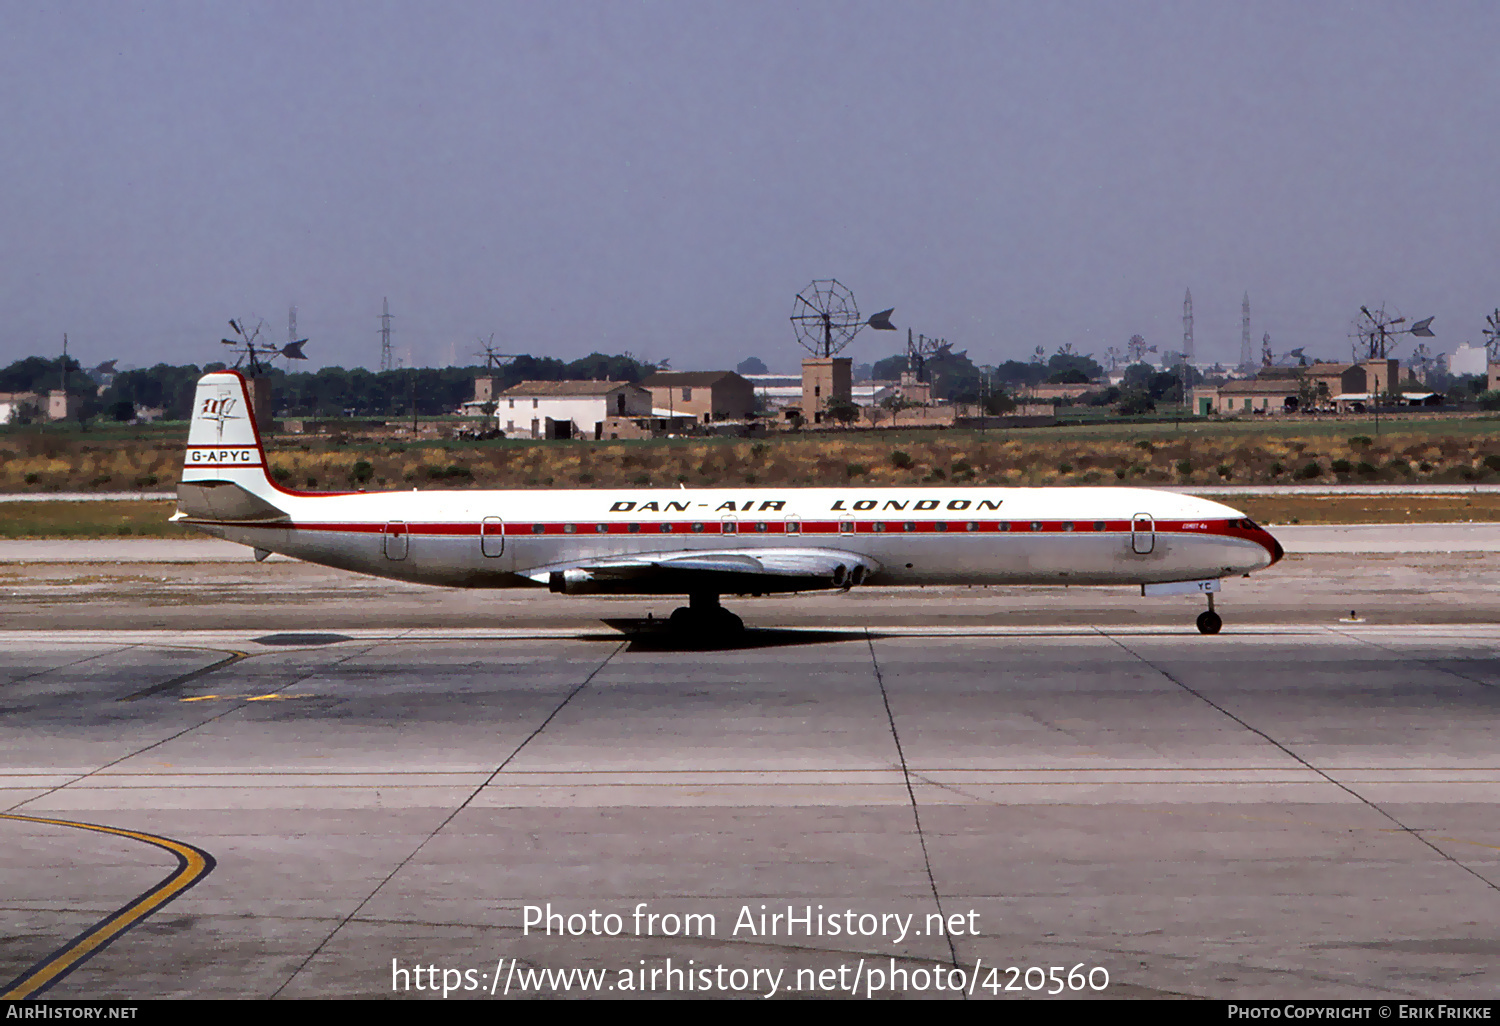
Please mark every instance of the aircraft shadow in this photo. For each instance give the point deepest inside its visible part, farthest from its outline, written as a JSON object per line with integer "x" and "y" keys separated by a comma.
{"x": 658, "y": 636}
{"x": 300, "y": 639}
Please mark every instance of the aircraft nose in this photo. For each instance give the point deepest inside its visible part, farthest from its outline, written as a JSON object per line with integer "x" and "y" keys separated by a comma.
{"x": 1272, "y": 546}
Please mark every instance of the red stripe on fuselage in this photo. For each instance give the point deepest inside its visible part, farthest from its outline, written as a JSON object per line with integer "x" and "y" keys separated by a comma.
{"x": 675, "y": 528}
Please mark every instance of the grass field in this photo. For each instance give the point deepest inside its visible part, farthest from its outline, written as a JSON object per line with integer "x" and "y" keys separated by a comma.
{"x": 149, "y": 519}
{"x": 90, "y": 520}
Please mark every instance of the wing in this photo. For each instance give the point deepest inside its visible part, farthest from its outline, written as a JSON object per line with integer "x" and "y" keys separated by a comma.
{"x": 725, "y": 572}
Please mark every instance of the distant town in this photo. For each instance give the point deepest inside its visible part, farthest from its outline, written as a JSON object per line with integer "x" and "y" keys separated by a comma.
{"x": 618, "y": 397}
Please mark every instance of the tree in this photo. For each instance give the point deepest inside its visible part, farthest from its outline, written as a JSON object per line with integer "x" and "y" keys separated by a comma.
{"x": 1066, "y": 362}
{"x": 1135, "y": 401}
{"x": 1138, "y": 376}
{"x": 1014, "y": 372}
{"x": 751, "y": 365}
{"x": 842, "y": 411}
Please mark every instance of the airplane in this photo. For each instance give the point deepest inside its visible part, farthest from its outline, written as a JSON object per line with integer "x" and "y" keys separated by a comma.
{"x": 708, "y": 542}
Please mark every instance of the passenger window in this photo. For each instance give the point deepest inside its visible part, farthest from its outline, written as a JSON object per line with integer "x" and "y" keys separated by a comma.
{"x": 698, "y": 527}
{"x": 569, "y": 528}
{"x": 634, "y": 528}
{"x": 971, "y": 526}
{"x": 1005, "y": 525}
{"x": 941, "y": 525}
{"x": 666, "y": 528}
{"x": 1098, "y": 525}
{"x": 761, "y": 525}
{"x": 908, "y": 526}
{"x": 879, "y": 526}
{"x": 1068, "y": 525}
{"x": 538, "y": 528}
{"x": 601, "y": 528}
{"x": 1036, "y": 525}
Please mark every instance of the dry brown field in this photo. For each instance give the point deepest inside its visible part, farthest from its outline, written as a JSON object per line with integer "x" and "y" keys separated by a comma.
{"x": 1247, "y": 453}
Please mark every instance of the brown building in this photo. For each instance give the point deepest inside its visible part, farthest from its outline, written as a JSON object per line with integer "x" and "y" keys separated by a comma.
{"x": 1335, "y": 379}
{"x": 1255, "y": 395}
{"x": 825, "y": 379}
{"x": 705, "y": 395}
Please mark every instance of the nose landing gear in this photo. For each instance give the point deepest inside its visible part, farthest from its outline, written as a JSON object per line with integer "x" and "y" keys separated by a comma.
{"x": 1209, "y": 621}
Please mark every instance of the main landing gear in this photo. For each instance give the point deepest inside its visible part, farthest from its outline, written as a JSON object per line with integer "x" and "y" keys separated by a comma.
{"x": 1209, "y": 621}
{"x": 704, "y": 615}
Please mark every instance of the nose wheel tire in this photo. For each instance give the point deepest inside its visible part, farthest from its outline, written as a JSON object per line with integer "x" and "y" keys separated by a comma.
{"x": 1209, "y": 622}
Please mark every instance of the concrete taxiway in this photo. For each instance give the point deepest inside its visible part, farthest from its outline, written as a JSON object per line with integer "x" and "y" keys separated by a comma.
{"x": 1277, "y": 811}
{"x": 288, "y": 777}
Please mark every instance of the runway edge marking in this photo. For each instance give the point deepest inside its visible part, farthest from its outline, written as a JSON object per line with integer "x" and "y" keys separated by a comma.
{"x": 193, "y": 864}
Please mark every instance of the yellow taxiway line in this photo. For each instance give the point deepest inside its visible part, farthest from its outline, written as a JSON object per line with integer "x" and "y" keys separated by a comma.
{"x": 193, "y": 864}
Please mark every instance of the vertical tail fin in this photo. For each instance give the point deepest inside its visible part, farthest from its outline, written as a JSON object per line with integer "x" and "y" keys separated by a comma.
{"x": 223, "y": 443}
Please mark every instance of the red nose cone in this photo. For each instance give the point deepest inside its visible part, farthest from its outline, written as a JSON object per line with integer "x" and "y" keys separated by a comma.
{"x": 1273, "y": 546}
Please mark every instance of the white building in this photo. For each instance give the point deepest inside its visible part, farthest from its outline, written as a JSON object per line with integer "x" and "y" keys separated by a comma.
{"x": 1467, "y": 359}
{"x": 568, "y": 409}
{"x": 14, "y": 404}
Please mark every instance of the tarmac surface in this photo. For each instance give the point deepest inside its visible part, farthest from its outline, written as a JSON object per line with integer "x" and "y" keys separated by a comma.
{"x": 354, "y": 772}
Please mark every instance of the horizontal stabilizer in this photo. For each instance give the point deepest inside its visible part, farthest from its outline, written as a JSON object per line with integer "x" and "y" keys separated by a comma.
{"x": 225, "y": 501}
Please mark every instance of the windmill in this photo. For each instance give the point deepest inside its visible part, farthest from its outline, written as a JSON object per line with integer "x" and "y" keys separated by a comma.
{"x": 1492, "y": 338}
{"x": 1378, "y": 333}
{"x": 826, "y": 318}
{"x": 1420, "y": 362}
{"x": 1136, "y": 349}
{"x": 105, "y": 373}
{"x": 919, "y": 349}
{"x": 256, "y": 356}
{"x": 493, "y": 360}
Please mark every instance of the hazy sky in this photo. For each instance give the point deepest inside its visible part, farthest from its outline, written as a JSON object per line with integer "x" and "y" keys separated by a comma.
{"x": 664, "y": 177}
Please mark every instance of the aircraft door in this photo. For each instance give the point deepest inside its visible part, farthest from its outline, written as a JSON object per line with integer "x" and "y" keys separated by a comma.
{"x": 793, "y": 525}
{"x": 1142, "y": 533}
{"x": 396, "y": 539}
{"x": 730, "y": 525}
{"x": 492, "y": 536}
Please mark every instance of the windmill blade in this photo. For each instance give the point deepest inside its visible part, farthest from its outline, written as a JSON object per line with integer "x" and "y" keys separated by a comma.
{"x": 293, "y": 350}
{"x": 882, "y": 320}
{"x": 236, "y": 328}
{"x": 1423, "y": 328}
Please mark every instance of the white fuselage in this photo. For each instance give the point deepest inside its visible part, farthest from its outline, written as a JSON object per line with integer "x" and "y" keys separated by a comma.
{"x": 950, "y": 535}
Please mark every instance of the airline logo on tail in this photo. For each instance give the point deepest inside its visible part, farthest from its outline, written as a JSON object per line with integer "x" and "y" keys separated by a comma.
{"x": 219, "y": 410}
